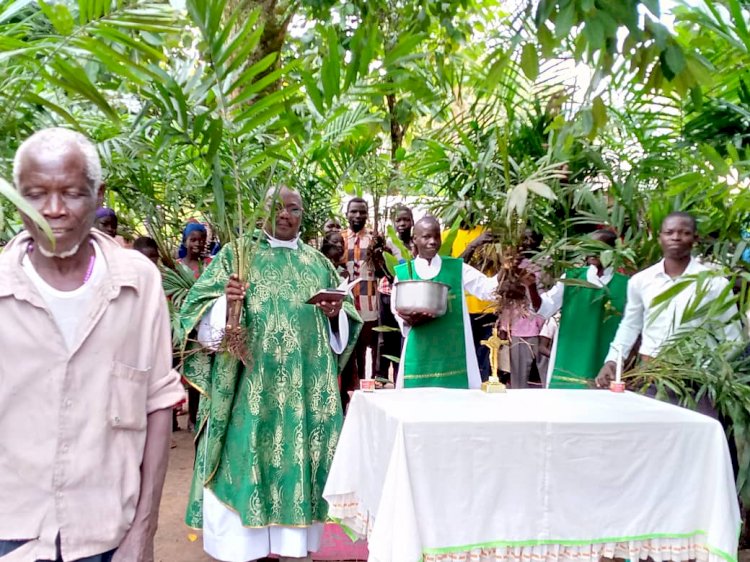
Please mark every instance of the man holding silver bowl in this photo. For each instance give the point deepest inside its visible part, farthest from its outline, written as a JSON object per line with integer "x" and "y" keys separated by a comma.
{"x": 430, "y": 305}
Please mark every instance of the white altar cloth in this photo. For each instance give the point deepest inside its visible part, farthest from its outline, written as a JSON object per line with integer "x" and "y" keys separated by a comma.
{"x": 532, "y": 475}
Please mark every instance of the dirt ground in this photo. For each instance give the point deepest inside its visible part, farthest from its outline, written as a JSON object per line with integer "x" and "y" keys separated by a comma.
{"x": 173, "y": 542}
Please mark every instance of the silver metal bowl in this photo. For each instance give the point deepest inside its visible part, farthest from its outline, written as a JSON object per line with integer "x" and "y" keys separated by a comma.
{"x": 427, "y": 297}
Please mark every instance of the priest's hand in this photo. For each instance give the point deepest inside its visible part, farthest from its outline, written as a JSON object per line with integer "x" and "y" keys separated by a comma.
{"x": 235, "y": 289}
{"x": 606, "y": 375}
{"x": 330, "y": 308}
{"x": 416, "y": 318}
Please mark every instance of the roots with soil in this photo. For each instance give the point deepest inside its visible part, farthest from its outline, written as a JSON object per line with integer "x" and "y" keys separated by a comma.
{"x": 236, "y": 336}
{"x": 511, "y": 302}
{"x": 375, "y": 261}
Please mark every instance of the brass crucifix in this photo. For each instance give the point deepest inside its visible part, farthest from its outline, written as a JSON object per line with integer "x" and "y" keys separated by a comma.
{"x": 494, "y": 343}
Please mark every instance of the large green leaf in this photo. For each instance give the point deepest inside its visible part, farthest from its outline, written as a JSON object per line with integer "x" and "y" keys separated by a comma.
{"x": 390, "y": 263}
{"x": 530, "y": 61}
{"x": 10, "y": 193}
{"x": 59, "y": 15}
{"x": 539, "y": 188}
{"x": 403, "y": 49}
{"x": 446, "y": 248}
{"x": 331, "y": 68}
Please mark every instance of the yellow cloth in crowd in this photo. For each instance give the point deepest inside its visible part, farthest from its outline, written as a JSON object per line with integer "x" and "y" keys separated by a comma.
{"x": 463, "y": 239}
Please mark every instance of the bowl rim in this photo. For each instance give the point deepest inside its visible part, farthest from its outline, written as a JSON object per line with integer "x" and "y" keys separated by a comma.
{"x": 422, "y": 281}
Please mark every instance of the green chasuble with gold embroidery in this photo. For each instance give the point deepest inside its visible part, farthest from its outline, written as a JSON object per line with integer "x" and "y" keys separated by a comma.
{"x": 268, "y": 430}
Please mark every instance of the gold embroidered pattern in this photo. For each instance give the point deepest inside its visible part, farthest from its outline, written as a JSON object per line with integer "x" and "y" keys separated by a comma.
{"x": 272, "y": 426}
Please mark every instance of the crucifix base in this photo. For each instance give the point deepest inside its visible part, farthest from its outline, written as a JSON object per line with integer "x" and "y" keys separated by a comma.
{"x": 493, "y": 385}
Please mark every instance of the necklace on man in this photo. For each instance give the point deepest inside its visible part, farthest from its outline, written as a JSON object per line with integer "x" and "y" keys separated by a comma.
{"x": 92, "y": 260}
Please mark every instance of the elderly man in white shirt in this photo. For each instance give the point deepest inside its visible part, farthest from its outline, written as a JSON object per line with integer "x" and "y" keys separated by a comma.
{"x": 657, "y": 324}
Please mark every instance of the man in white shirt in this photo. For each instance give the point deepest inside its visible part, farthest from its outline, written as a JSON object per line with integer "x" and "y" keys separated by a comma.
{"x": 658, "y": 323}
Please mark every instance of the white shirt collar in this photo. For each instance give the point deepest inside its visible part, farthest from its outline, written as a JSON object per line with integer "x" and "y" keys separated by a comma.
{"x": 276, "y": 243}
{"x": 694, "y": 266}
{"x": 593, "y": 277}
{"x": 427, "y": 270}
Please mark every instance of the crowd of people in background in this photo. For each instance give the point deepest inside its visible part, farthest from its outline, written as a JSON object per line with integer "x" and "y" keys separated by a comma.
{"x": 532, "y": 334}
{"x": 561, "y": 338}
{"x": 353, "y": 250}
{"x": 569, "y": 330}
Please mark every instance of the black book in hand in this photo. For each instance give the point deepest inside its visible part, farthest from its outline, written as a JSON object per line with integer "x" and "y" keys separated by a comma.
{"x": 333, "y": 295}
{"x": 327, "y": 295}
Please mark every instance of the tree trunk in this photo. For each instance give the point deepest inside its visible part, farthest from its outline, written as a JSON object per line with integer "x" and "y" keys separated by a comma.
{"x": 397, "y": 130}
{"x": 275, "y": 16}
{"x": 397, "y": 138}
{"x": 376, "y": 212}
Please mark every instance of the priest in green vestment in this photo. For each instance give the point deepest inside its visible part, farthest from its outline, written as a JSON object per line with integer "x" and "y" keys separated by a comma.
{"x": 440, "y": 351}
{"x": 590, "y": 311}
{"x": 267, "y": 428}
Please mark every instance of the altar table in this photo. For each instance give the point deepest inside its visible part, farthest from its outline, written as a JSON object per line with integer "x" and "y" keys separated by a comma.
{"x": 532, "y": 475}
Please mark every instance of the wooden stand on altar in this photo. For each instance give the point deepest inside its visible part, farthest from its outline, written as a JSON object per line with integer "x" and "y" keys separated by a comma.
{"x": 494, "y": 343}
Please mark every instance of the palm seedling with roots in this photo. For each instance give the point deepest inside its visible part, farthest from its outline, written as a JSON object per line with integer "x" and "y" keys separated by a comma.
{"x": 512, "y": 239}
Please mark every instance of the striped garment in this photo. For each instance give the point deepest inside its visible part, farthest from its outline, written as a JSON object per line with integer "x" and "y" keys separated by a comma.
{"x": 365, "y": 292}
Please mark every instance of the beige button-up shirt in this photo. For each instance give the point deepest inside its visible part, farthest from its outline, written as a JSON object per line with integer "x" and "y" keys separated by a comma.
{"x": 73, "y": 420}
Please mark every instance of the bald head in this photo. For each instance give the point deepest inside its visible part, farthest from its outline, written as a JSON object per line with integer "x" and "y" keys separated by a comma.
{"x": 275, "y": 193}
{"x": 58, "y": 143}
{"x": 427, "y": 237}
{"x": 427, "y": 221}
{"x": 58, "y": 173}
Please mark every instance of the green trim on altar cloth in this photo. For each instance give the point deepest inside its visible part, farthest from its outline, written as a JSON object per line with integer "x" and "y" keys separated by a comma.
{"x": 564, "y": 542}
{"x": 348, "y": 531}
